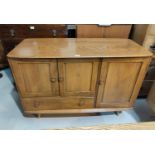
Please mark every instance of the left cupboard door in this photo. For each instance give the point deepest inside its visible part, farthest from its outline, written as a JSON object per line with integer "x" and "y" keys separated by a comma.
{"x": 36, "y": 77}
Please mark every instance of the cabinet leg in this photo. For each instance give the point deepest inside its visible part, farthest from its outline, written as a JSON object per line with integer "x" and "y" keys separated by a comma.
{"x": 39, "y": 115}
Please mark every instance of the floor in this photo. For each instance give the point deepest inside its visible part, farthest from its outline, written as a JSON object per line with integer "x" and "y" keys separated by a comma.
{"x": 12, "y": 118}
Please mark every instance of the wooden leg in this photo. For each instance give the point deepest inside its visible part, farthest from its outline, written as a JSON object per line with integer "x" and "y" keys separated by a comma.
{"x": 39, "y": 115}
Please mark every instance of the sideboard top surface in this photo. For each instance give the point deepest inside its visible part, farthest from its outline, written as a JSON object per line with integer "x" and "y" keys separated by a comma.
{"x": 78, "y": 48}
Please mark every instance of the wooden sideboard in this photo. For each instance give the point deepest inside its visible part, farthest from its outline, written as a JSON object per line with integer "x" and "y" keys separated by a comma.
{"x": 96, "y": 31}
{"x": 77, "y": 75}
{"x": 12, "y": 34}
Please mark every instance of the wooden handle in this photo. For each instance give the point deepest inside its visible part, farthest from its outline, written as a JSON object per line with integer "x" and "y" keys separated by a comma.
{"x": 81, "y": 103}
{"x": 36, "y": 105}
{"x": 54, "y": 33}
{"x": 53, "y": 80}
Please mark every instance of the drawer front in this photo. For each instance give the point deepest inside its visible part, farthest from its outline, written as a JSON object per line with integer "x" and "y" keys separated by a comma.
{"x": 32, "y": 30}
{"x": 34, "y": 104}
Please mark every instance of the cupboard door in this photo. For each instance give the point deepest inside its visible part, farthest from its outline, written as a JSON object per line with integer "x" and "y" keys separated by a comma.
{"x": 77, "y": 77}
{"x": 36, "y": 77}
{"x": 120, "y": 81}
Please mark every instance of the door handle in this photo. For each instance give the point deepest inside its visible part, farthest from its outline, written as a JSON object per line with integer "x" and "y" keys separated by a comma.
{"x": 54, "y": 33}
{"x": 53, "y": 80}
{"x": 36, "y": 104}
{"x": 81, "y": 103}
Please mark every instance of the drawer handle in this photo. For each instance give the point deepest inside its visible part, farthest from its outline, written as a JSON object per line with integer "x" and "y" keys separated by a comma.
{"x": 36, "y": 105}
{"x": 81, "y": 103}
{"x": 54, "y": 33}
{"x": 53, "y": 80}
{"x": 12, "y": 32}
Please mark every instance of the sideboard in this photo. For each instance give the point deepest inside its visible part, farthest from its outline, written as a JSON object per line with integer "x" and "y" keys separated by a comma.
{"x": 78, "y": 75}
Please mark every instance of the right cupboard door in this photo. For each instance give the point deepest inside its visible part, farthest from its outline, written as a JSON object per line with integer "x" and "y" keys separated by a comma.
{"x": 120, "y": 81}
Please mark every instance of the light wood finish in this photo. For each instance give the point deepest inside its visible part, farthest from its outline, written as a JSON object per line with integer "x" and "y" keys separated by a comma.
{"x": 36, "y": 78}
{"x": 54, "y": 103}
{"x": 83, "y": 70}
{"x": 120, "y": 81}
{"x": 96, "y": 31}
{"x": 76, "y": 111}
{"x": 134, "y": 126}
{"x": 56, "y": 81}
{"x": 78, "y": 48}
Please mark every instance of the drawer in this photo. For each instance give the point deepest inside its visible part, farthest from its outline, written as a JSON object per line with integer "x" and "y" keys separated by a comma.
{"x": 48, "y": 103}
{"x": 12, "y": 31}
{"x": 46, "y": 31}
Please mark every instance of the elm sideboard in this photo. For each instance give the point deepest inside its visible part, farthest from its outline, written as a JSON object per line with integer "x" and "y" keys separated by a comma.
{"x": 78, "y": 75}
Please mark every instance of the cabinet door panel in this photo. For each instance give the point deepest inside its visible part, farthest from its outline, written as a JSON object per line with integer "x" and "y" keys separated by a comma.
{"x": 79, "y": 76}
{"x": 36, "y": 78}
{"x": 120, "y": 82}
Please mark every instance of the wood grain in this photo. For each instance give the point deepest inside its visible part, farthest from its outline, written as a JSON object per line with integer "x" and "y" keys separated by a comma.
{"x": 53, "y": 81}
{"x": 56, "y": 103}
{"x": 33, "y": 78}
{"x": 83, "y": 70}
{"x": 78, "y": 48}
{"x": 121, "y": 80}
